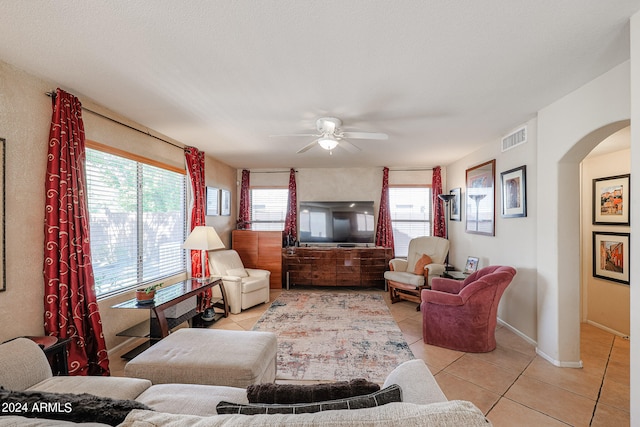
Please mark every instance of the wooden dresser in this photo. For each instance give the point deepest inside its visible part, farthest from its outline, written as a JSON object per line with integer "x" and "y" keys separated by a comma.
{"x": 260, "y": 249}
{"x": 319, "y": 266}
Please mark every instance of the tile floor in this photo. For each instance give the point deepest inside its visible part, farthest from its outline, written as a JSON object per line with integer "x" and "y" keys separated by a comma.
{"x": 511, "y": 385}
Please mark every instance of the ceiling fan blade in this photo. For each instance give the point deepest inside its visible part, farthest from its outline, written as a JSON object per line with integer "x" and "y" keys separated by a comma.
{"x": 350, "y": 147}
{"x": 307, "y": 147}
{"x": 365, "y": 135}
{"x": 295, "y": 134}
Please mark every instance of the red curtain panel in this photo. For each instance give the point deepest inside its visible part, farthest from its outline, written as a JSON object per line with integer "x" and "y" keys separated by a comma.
{"x": 244, "y": 214}
{"x": 291, "y": 220}
{"x": 70, "y": 304}
{"x": 195, "y": 168}
{"x": 439, "y": 224}
{"x": 384, "y": 231}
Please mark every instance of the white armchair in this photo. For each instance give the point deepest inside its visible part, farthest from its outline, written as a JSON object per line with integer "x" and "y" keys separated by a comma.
{"x": 245, "y": 287}
{"x": 425, "y": 260}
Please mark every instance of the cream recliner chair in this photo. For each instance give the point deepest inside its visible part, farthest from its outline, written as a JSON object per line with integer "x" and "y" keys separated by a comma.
{"x": 245, "y": 287}
{"x": 425, "y": 260}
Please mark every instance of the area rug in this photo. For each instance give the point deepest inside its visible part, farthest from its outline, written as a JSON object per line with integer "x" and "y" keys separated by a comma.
{"x": 334, "y": 336}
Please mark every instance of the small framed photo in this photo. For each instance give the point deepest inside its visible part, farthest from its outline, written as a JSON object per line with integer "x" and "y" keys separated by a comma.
{"x": 455, "y": 215}
{"x": 611, "y": 256}
{"x": 225, "y": 203}
{"x": 514, "y": 192}
{"x": 213, "y": 201}
{"x": 611, "y": 200}
{"x": 471, "y": 266}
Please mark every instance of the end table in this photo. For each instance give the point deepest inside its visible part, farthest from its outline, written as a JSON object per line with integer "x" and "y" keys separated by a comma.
{"x": 56, "y": 351}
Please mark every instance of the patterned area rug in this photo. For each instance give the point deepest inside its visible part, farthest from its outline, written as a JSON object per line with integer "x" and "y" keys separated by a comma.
{"x": 334, "y": 336}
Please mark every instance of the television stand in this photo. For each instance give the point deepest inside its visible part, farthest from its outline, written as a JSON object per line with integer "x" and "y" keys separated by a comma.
{"x": 346, "y": 245}
{"x": 342, "y": 266}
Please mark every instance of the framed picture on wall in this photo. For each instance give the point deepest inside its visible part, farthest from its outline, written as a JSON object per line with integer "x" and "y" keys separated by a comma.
{"x": 611, "y": 256}
{"x": 454, "y": 214}
{"x": 611, "y": 200}
{"x": 225, "y": 202}
{"x": 514, "y": 192}
{"x": 480, "y": 199}
{"x": 213, "y": 201}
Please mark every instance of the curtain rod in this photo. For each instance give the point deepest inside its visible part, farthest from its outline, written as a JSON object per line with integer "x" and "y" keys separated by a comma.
{"x": 410, "y": 170}
{"x": 53, "y": 95}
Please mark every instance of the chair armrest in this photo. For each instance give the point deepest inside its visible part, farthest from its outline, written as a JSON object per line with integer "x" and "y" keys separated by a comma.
{"x": 398, "y": 264}
{"x": 231, "y": 279}
{"x": 440, "y": 298}
{"x": 443, "y": 284}
{"x": 435, "y": 269}
{"x": 256, "y": 272}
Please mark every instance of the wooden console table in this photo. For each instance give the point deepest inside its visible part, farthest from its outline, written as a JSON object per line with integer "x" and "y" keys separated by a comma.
{"x": 159, "y": 326}
{"x": 328, "y": 266}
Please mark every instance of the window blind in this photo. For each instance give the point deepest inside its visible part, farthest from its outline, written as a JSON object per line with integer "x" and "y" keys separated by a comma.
{"x": 268, "y": 208}
{"x": 410, "y": 209}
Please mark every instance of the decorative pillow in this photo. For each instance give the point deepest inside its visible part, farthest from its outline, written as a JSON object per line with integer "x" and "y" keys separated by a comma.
{"x": 393, "y": 393}
{"x": 294, "y": 393}
{"x": 239, "y": 272}
{"x": 78, "y": 408}
{"x": 420, "y": 264}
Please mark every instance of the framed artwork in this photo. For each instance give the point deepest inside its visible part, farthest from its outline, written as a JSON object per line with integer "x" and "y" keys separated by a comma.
{"x": 225, "y": 202}
{"x": 611, "y": 256}
{"x": 514, "y": 192}
{"x": 472, "y": 265}
{"x": 213, "y": 201}
{"x": 611, "y": 200}
{"x": 480, "y": 199}
{"x": 454, "y": 214}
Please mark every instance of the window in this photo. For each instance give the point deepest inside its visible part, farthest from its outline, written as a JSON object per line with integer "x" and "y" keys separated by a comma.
{"x": 136, "y": 220}
{"x": 410, "y": 209}
{"x": 268, "y": 208}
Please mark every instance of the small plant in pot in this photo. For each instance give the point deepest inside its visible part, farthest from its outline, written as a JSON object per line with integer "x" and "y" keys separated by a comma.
{"x": 146, "y": 295}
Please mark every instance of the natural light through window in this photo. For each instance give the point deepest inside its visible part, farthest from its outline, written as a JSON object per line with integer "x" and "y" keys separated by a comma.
{"x": 410, "y": 209}
{"x": 268, "y": 208}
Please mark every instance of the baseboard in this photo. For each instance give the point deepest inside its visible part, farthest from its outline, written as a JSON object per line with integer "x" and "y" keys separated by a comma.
{"x": 517, "y": 332}
{"x": 611, "y": 331}
{"x": 125, "y": 346}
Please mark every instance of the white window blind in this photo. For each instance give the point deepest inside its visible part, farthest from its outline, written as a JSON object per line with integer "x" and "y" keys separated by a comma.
{"x": 410, "y": 209}
{"x": 268, "y": 208}
{"x": 137, "y": 221}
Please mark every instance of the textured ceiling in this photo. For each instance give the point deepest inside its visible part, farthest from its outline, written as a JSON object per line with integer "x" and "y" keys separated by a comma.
{"x": 442, "y": 78}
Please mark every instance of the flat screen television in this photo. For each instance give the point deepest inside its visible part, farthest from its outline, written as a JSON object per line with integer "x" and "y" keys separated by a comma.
{"x": 336, "y": 222}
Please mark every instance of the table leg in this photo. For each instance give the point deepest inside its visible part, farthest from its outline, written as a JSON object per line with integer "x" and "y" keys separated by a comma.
{"x": 225, "y": 301}
{"x": 162, "y": 322}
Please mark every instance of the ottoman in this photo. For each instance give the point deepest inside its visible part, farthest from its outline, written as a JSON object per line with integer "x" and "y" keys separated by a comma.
{"x": 208, "y": 356}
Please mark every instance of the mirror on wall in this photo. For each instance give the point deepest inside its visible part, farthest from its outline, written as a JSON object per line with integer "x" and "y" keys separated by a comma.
{"x": 3, "y": 282}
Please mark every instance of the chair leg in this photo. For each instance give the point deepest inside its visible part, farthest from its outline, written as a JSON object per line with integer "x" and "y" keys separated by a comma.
{"x": 393, "y": 294}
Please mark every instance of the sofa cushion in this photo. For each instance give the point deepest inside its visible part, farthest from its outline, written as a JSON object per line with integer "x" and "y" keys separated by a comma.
{"x": 111, "y": 387}
{"x": 454, "y": 413}
{"x": 404, "y": 277}
{"x": 250, "y": 284}
{"x": 307, "y": 393}
{"x": 378, "y": 398}
{"x": 193, "y": 399}
{"x": 418, "y": 384}
{"x": 67, "y": 406}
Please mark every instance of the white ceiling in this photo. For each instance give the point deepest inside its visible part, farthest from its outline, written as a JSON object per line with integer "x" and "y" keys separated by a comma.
{"x": 442, "y": 78}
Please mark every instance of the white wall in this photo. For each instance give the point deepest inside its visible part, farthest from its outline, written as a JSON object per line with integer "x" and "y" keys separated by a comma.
{"x": 514, "y": 242}
{"x": 568, "y": 130}
{"x": 635, "y": 218}
{"x": 605, "y": 303}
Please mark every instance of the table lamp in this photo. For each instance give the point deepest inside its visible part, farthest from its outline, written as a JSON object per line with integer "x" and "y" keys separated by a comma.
{"x": 203, "y": 238}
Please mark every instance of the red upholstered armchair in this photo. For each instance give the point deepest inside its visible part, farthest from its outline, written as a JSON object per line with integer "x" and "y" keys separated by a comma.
{"x": 462, "y": 315}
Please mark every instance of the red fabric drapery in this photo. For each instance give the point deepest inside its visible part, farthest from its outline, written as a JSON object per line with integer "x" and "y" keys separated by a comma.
{"x": 384, "y": 231}
{"x": 244, "y": 214}
{"x": 70, "y": 307}
{"x": 195, "y": 168}
{"x": 291, "y": 220}
{"x": 439, "y": 222}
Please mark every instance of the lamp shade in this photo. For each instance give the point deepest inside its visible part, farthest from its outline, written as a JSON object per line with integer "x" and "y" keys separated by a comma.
{"x": 446, "y": 197}
{"x": 203, "y": 238}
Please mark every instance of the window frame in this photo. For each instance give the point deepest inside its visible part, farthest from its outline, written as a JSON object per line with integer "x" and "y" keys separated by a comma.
{"x": 428, "y": 221}
{"x": 139, "y": 262}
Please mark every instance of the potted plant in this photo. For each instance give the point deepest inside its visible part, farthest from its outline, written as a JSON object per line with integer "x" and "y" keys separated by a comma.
{"x": 146, "y": 295}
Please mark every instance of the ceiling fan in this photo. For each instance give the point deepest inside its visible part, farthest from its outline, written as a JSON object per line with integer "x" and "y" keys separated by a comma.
{"x": 330, "y": 136}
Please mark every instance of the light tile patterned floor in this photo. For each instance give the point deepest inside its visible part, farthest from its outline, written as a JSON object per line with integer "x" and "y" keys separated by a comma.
{"x": 512, "y": 385}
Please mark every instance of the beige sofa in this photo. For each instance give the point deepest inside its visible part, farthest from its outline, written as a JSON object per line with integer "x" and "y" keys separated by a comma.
{"x": 23, "y": 366}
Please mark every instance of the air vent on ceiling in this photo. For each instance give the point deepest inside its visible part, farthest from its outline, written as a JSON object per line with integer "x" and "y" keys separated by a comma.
{"x": 514, "y": 139}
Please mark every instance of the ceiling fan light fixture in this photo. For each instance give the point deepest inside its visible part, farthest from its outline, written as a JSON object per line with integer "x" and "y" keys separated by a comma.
{"x": 328, "y": 142}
